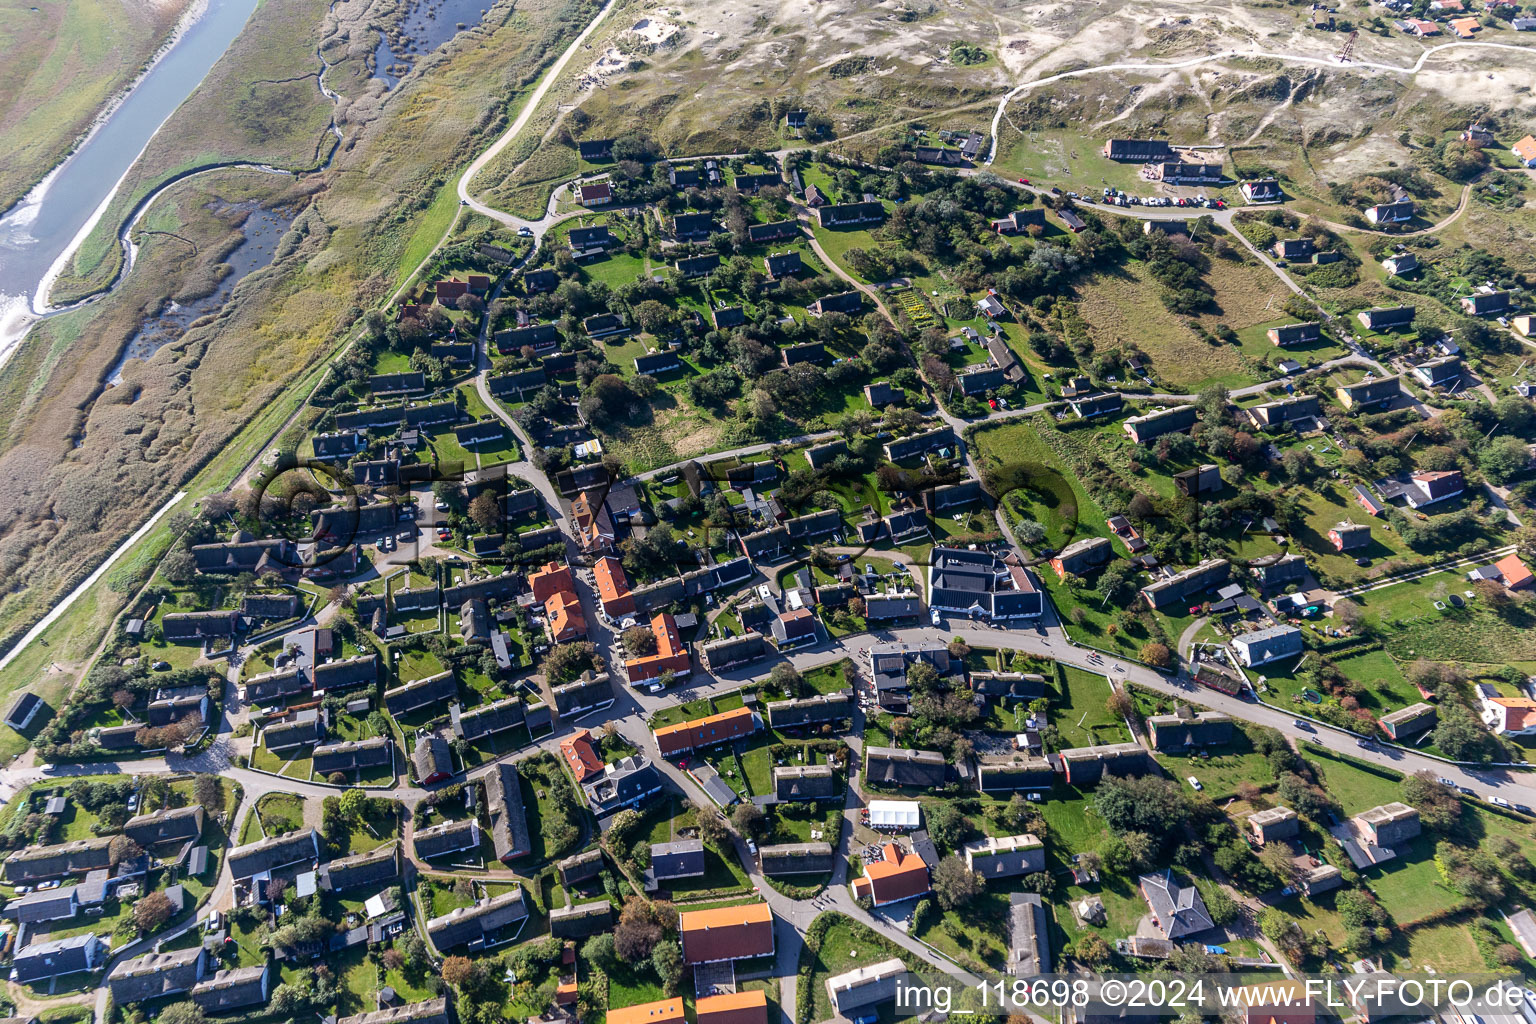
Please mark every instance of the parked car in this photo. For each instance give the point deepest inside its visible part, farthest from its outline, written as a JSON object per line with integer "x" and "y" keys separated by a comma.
{"x": 1195, "y": 784}
{"x": 1499, "y": 801}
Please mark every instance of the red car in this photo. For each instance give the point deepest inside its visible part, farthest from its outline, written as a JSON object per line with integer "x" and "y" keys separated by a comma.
{"x": 1023, "y": 181}
{"x": 992, "y": 402}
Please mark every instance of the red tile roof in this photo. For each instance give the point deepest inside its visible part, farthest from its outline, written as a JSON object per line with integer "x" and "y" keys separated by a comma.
{"x": 662, "y": 1011}
{"x": 581, "y": 756}
{"x": 671, "y": 655}
{"x": 550, "y": 580}
{"x": 733, "y": 1008}
{"x": 1515, "y": 574}
{"x": 726, "y": 933}
{"x": 613, "y": 586}
{"x": 566, "y": 619}
{"x": 701, "y": 732}
{"x": 899, "y": 876}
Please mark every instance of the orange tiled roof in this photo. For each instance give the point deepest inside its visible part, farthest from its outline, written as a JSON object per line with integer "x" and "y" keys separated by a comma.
{"x": 1519, "y": 712}
{"x": 551, "y": 579}
{"x": 898, "y": 876}
{"x": 662, "y": 1011}
{"x": 566, "y": 619}
{"x": 581, "y": 756}
{"x": 749, "y": 1007}
{"x": 612, "y": 584}
{"x": 726, "y": 933}
{"x": 1513, "y": 570}
{"x": 670, "y": 651}
{"x": 725, "y": 725}
{"x": 1525, "y": 149}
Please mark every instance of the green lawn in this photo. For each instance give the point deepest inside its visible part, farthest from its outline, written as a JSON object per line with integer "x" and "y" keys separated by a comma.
{"x": 613, "y": 269}
{"x": 1410, "y": 886}
{"x": 846, "y": 944}
{"x": 827, "y": 678}
{"x": 976, "y": 935}
{"x": 373, "y": 833}
{"x": 1035, "y": 484}
{"x": 1078, "y": 710}
{"x": 280, "y": 812}
{"x": 1356, "y": 786}
{"x": 1412, "y": 627}
{"x": 418, "y": 663}
{"x": 1225, "y": 769}
{"x": 1447, "y": 948}
{"x": 633, "y": 984}
{"x": 1388, "y": 689}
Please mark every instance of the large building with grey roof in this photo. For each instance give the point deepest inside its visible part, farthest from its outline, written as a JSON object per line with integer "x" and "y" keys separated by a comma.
{"x": 509, "y": 820}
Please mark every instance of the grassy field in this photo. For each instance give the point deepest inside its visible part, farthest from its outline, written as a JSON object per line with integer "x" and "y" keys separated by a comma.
{"x": 1125, "y": 303}
{"x": 1410, "y": 886}
{"x": 1045, "y": 492}
{"x": 1353, "y": 785}
{"x": 1224, "y": 770}
{"x": 65, "y": 60}
{"x": 1447, "y": 948}
{"x": 1412, "y": 627}
{"x": 845, "y": 945}
{"x": 1078, "y": 712}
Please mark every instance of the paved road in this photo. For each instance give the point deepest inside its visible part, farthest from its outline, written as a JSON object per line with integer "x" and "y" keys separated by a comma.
{"x": 530, "y": 107}
{"x": 632, "y": 710}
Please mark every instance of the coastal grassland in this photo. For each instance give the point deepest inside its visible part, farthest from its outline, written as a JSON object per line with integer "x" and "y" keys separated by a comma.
{"x": 264, "y": 99}
{"x": 524, "y": 184}
{"x": 197, "y": 413}
{"x": 64, "y": 61}
{"x": 1126, "y": 303}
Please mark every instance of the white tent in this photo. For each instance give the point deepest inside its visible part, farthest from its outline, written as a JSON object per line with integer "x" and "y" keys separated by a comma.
{"x": 894, "y": 814}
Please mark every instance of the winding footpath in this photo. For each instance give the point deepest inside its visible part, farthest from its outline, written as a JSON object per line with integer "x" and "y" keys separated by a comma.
{"x": 530, "y": 107}
{"x": 1255, "y": 54}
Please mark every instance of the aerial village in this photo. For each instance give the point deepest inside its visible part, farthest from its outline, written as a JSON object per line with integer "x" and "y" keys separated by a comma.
{"x": 661, "y": 623}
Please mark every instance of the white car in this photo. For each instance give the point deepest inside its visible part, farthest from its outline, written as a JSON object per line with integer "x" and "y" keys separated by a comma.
{"x": 441, "y": 506}
{"x": 1195, "y": 784}
{"x": 1498, "y": 801}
